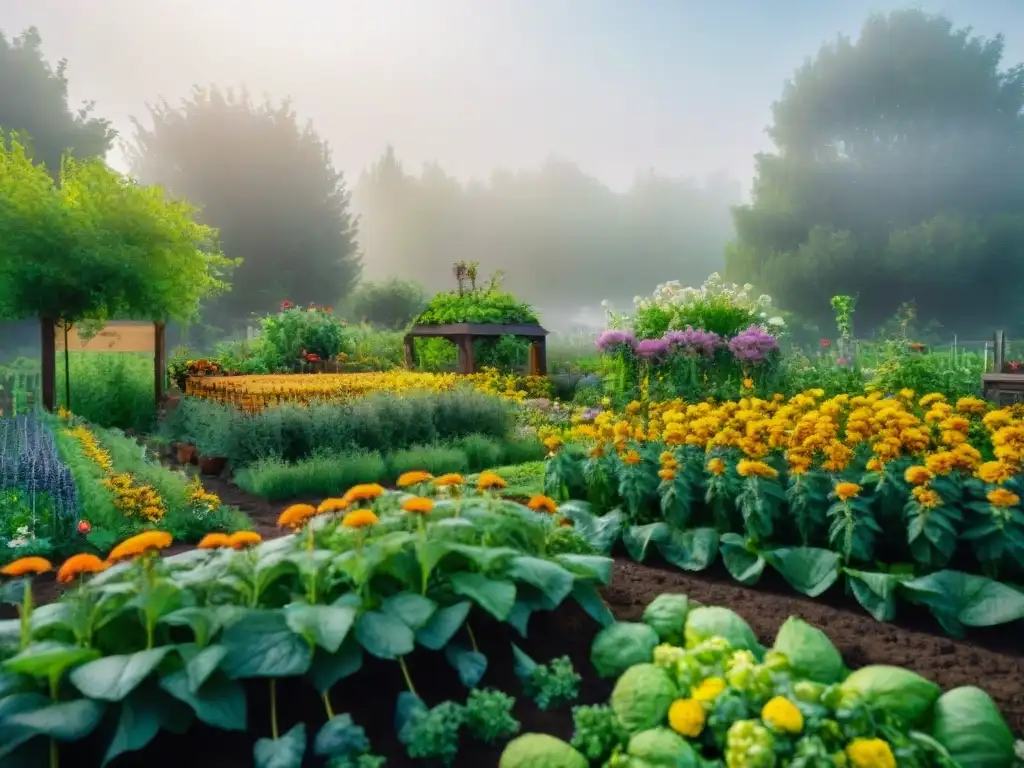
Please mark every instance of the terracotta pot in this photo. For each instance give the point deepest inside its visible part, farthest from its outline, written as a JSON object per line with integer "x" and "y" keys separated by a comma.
{"x": 212, "y": 465}
{"x": 186, "y": 453}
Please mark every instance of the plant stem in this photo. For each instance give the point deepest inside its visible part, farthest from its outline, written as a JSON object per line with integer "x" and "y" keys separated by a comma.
{"x": 273, "y": 708}
{"x": 327, "y": 705}
{"x": 405, "y": 674}
{"x": 54, "y": 754}
{"x": 26, "y": 615}
{"x": 472, "y": 638}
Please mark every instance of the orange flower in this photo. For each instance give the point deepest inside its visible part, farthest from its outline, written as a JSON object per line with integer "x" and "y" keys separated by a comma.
{"x": 541, "y": 503}
{"x": 846, "y": 491}
{"x": 140, "y": 544}
{"x": 78, "y": 565}
{"x": 214, "y": 541}
{"x": 332, "y": 505}
{"x": 747, "y": 468}
{"x": 296, "y": 515}
{"x": 363, "y": 492}
{"x": 489, "y": 481}
{"x": 716, "y": 466}
{"x": 243, "y": 539}
{"x": 668, "y": 475}
{"x": 417, "y": 505}
{"x": 917, "y": 475}
{"x": 926, "y": 497}
{"x": 451, "y": 479}
{"x": 553, "y": 443}
{"x": 1001, "y": 497}
{"x": 413, "y": 478}
{"x": 361, "y": 518}
{"x": 27, "y": 565}
{"x": 632, "y": 458}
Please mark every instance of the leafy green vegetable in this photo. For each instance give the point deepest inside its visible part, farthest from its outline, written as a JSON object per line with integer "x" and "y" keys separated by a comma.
{"x": 553, "y": 684}
{"x": 904, "y": 693}
{"x": 666, "y": 614}
{"x": 618, "y": 647}
{"x": 642, "y": 696}
{"x": 538, "y": 750}
{"x": 489, "y": 716}
{"x": 597, "y": 732}
{"x": 750, "y": 744}
{"x": 706, "y": 622}
{"x": 969, "y": 725}
{"x": 434, "y": 734}
{"x": 809, "y": 651}
{"x": 661, "y": 748}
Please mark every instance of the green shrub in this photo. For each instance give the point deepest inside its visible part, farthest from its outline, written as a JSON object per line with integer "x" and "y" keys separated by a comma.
{"x": 323, "y": 475}
{"x": 113, "y": 389}
{"x": 481, "y": 451}
{"x": 521, "y": 451}
{"x": 436, "y": 459}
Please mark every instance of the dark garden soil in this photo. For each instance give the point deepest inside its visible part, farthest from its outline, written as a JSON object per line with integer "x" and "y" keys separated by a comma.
{"x": 992, "y": 659}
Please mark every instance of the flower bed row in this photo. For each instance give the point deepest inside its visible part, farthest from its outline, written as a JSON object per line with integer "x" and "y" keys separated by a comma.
{"x": 819, "y": 490}
{"x": 254, "y": 393}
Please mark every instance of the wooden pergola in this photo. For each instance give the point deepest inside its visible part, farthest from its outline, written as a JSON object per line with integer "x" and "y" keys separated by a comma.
{"x": 462, "y": 336}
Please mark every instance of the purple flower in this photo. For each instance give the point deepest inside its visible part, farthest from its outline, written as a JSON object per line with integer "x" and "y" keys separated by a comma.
{"x": 609, "y": 341}
{"x": 652, "y": 349}
{"x": 752, "y": 345}
{"x": 694, "y": 342}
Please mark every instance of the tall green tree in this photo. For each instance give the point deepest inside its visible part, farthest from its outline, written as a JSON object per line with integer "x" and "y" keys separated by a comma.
{"x": 35, "y": 105}
{"x": 267, "y": 184}
{"x": 896, "y": 177}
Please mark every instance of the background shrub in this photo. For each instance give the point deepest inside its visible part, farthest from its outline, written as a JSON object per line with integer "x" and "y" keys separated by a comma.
{"x": 320, "y": 476}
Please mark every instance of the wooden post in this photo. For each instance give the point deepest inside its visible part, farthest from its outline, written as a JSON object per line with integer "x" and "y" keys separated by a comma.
{"x": 159, "y": 360}
{"x": 466, "y": 362}
{"x": 539, "y": 357}
{"x": 409, "y": 352}
{"x": 48, "y": 362}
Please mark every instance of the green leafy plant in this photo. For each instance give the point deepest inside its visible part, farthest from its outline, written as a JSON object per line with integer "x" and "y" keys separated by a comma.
{"x": 488, "y": 716}
{"x": 597, "y": 732}
{"x": 550, "y": 685}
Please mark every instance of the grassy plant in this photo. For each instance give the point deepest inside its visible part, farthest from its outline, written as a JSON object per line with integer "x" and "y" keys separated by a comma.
{"x": 322, "y": 475}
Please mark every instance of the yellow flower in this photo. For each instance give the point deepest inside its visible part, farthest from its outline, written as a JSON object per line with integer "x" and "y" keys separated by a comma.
{"x": 783, "y": 715}
{"x": 846, "y": 491}
{"x": 687, "y": 717}
{"x": 244, "y": 539}
{"x": 140, "y": 544}
{"x": 632, "y": 458}
{"x": 417, "y": 505}
{"x": 747, "y": 468}
{"x": 25, "y": 566}
{"x": 77, "y": 565}
{"x": 748, "y": 383}
{"x": 553, "y": 443}
{"x": 332, "y": 505}
{"x": 489, "y": 481}
{"x": 716, "y": 466}
{"x": 917, "y": 475}
{"x": 413, "y": 478}
{"x": 668, "y": 475}
{"x": 1001, "y": 497}
{"x": 995, "y": 472}
{"x": 296, "y": 515}
{"x": 870, "y": 753}
{"x": 214, "y": 541}
{"x": 361, "y": 518}
{"x": 449, "y": 480}
{"x": 709, "y": 689}
{"x": 875, "y": 465}
{"x": 363, "y": 492}
{"x": 926, "y": 497}
{"x": 541, "y": 503}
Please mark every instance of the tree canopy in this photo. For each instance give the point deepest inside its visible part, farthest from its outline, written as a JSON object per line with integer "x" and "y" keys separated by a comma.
{"x": 896, "y": 177}
{"x": 98, "y": 245}
{"x": 35, "y": 104}
{"x": 563, "y": 238}
{"x": 268, "y": 184}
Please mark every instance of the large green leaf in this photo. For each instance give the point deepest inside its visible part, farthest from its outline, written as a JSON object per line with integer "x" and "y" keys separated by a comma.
{"x": 285, "y": 752}
{"x": 876, "y": 592}
{"x": 596, "y": 567}
{"x": 114, "y": 677}
{"x": 63, "y": 721}
{"x": 322, "y": 625}
{"x": 471, "y": 665}
{"x": 443, "y": 625}
{"x": 600, "y": 532}
{"x": 744, "y": 565}
{"x": 692, "y": 550}
{"x": 961, "y": 599}
{"x": 412, "y": 609}
{"x": 969, "y": 725}
{"x": 809, "y": 570}
{"x": 384, "y": 636}
{"x": 329, "y": 668}
{"x": 339, "y": 737}
{"x": 204, "y": 622}
{"x": 201, "y": 663}
{"x": 141, "y": 716}
{"x": 11, "y": 737}
{"x": 554, "y": 582}
{"x": 219, "y": 702}
{"x": 261, "y": 644}
{"x": 49, "y": 659}
{"x": 639, "y": 538}
{"x": 590, "y": 600}
{"x": 494, "y": 596}
{"x": 811, "y": 654}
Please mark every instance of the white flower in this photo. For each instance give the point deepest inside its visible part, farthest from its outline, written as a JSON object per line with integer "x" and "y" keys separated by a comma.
{"x": 776, "y": 321}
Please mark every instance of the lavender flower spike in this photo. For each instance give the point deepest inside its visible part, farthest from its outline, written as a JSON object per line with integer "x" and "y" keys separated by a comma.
{"x": 611, "y": 340}
{"x": 694, "y": 342}
{"x": 652, "y": 349}
{"x": 752, "y": 345}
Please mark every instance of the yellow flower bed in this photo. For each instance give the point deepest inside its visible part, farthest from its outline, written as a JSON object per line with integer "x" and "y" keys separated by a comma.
{"x": 253, "y": 393}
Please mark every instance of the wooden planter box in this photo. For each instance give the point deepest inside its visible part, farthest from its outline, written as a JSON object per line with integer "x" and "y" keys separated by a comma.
{"x": 1003, "y": 388}
{"x": 462, "y": 336}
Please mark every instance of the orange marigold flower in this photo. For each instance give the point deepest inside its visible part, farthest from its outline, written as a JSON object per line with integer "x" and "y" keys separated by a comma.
{"x": 917, "y": 475}
{"x": 361, "y": 518}
{"x": 846, "y": 491}
{"x": 296, "y": 515}
{"x": 542, "y": 503}
{"x": 716, "y": 466}
{"x": 451, "y": 479}
{"x": 553, "y": 443}
{"x": 875, "y": 464}
{"x": 668, "y": 475}
{"x": 140, "y": 544}
{"x": 214, "y": 541}
{"x": 332, "y": 505}
{"x": 364, "y": 492}
{"x": 632, "y": 458}
{"x": 244, "y": 539}
{"x": 995, "y": 472}
{"x": 78, "y": 565}
{"x": 926, "y": 497}
{"x": 490, "y": 481}
{"x": 25, "y": 566}
{"x": 413, "y": 478}
{"x": 1001, "y": 497}
{"x": 417, "y": 505}
{"x": 747, "y": 468}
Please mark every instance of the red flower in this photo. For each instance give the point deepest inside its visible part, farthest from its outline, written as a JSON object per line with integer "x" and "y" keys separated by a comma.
{"x": 825, "y": 343}
{"x": 1015, "y": 365}
{"x": 313, "y": 357}
{"x": 84, "y": 527}
{"x": 286, "y": 305}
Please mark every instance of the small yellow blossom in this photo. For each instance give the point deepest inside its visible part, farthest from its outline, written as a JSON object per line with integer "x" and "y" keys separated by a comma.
{"x": 687, "y": 717}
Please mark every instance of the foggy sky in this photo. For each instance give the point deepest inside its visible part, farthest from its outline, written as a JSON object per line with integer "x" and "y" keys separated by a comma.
{"x": 684, "y": 86}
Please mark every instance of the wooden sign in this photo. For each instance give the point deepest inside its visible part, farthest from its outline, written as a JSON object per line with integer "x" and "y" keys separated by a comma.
{"x": 117, "y": 336}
